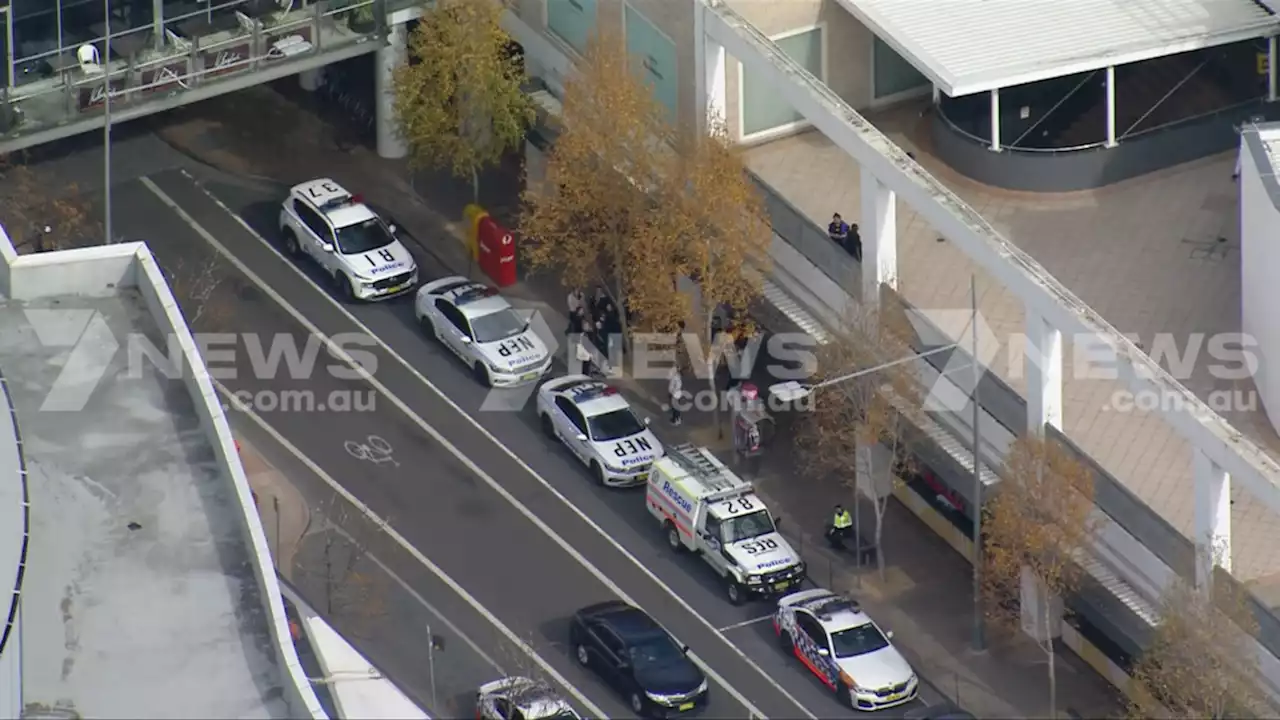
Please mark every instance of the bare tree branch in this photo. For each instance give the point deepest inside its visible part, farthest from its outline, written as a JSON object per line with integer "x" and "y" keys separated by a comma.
{"x": 41, "y": 213}
{"x": 1202, "y": 660}
{"x": 858, "y": 430}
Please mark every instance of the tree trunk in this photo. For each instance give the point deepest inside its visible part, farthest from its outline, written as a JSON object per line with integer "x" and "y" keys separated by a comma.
{"x": 712, "y": 367}
{"x": 1045, "y": 608}
{"x": 881, "y": 505}
{"x": 621, "y": 298}
{"x": 475, "y": 185}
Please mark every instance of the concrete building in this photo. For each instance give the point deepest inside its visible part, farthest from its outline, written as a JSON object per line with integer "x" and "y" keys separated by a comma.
{"x": 746, "y": 42}
{"x": 1260, "y": 261}
{"x": 138, "y": 577}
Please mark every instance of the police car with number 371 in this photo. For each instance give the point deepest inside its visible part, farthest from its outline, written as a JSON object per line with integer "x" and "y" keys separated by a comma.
{"x": 597, "y": 424}
{"x": 359, "y": 251}
{"x": 482, "y": 329}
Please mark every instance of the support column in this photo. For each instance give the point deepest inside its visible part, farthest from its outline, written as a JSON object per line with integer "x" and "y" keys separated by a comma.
{"x": 1111, "y": 106}
{"x": 937, "y": 94}
{"x": 157, "y": 24}
{"x": 1041, "y": 613}
{"x": 1271, "y": 69}
{"x": 311, "y": 80}
{"x": 995, "y": 120}
{"x": 710, "y": 78}
{"x": 1212, "y": 518}
{"x": 1043, "y": 360}
{"x": 879, "y": 230}
{"x": 389, "y": 57}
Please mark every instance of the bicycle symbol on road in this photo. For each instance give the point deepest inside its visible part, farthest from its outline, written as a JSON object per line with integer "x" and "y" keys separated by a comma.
{"x": 374, "y": 449}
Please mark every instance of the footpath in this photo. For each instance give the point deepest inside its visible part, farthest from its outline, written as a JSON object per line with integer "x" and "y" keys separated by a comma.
{"x": 925, "y": 595}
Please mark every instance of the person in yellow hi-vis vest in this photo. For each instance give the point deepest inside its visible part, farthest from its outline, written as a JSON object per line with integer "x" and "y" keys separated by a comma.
{"x": 840, "y": 527}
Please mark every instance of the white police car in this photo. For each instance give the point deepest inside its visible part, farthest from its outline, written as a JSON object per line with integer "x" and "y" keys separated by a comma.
{"x": 323, "y": 221}
{"x": 482, "y": 328}
{"x": 520, "y": 698}
{"x": 597, "y": 424}
{"x": 836, "y": 641}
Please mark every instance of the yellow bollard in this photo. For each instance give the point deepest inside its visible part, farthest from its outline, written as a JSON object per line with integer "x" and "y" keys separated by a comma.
{"x": 473, "y": 214}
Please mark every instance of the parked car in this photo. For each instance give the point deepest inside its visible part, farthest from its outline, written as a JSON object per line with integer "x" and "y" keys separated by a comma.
{"x": 520, "y": 698}
{"x": 638, "y": 658}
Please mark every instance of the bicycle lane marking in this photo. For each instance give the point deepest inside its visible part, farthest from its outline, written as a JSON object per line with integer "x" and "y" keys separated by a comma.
{"x": 339, "y": 353}
{"x": 426, "y": 562}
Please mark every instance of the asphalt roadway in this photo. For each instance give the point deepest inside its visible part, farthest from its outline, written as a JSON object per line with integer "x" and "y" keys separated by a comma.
{"x": 505, "y": 514}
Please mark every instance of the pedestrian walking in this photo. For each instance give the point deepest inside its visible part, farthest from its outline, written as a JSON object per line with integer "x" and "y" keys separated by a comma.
{"x": 838, "y": 230}
{"x": 675, "y": 393}
{"x": 855, "y": 243}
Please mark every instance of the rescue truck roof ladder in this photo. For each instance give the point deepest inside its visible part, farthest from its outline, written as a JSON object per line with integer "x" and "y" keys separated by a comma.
{"x": 695, "y": 461}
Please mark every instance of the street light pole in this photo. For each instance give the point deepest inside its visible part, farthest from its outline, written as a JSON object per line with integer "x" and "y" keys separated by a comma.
{"x": 106, "y": 125}
{"x": 979, "y": 634}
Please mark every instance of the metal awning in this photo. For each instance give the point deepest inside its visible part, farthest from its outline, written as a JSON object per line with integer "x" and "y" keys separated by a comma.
{"x": 971, "y": 46}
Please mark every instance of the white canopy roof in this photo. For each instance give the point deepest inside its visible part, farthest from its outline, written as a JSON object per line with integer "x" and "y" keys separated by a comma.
{"x": 970, "y": 46}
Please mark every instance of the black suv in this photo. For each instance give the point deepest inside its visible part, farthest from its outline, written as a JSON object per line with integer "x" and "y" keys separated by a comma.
{"x": 635, "y": 655}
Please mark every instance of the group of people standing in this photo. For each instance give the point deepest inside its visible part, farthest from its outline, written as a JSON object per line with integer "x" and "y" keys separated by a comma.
{"x": 596, "y": 320}
{"x": 846, "y": 236}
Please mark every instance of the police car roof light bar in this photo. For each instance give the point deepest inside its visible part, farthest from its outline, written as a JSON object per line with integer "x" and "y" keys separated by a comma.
{"x": 829, "y": 606}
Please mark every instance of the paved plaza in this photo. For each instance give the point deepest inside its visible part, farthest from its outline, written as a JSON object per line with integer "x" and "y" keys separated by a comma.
{"x": 1158, "y": 254}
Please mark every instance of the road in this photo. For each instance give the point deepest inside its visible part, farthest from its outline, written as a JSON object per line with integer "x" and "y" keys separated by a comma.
{"x": 502, "y": 512}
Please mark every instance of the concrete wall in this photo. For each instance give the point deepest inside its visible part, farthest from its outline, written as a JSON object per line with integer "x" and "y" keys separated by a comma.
{"x": 105, "y": 270}
{"x": 1259, "y": 268}
{"x": 14, "y": 531}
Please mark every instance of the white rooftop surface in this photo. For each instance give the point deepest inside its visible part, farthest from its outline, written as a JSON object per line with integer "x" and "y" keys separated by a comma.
{"x": 164, "y": 620}
{"x": 1013, "y": 42}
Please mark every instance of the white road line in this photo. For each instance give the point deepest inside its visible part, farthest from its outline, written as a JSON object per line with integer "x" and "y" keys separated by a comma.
{"x": 417, "y": 555}
{"x": 342, "y": 355}
{"x": 745, "y": 623}
{"x": 475, "y": 647}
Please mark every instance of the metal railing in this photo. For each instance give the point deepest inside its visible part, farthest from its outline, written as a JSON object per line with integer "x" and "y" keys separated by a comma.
{"x": 181, "y": 63}
{"x": 1056, "y": 105}
{"x": 1163, "y": 98}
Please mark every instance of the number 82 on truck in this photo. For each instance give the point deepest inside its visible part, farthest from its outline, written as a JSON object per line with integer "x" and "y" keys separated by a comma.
{"x": 706, "y": 509}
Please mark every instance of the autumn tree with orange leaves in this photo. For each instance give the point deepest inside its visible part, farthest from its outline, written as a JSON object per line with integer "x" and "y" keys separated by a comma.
{"x": 632, "y": 205}
{"x": 1036, "y": 533}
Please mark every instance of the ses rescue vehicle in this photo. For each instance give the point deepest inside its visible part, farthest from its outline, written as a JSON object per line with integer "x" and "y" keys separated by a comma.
{"x": 598, "y": 425}
{"x": 706, "y": 509}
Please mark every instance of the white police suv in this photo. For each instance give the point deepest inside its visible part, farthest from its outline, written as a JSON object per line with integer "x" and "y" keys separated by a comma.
{"x": 836, "y": 641}
{"x": 482, "y": 329}
{"x": 323, "y": 221}
{"x": 597, "y": 424}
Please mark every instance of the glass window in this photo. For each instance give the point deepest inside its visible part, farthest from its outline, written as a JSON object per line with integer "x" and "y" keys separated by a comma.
{"x": 497, "y": 326}
{"x": 745, "y": 527}
{"x": 893, "y": 74}
{"x": 620, "y": 423}
{"x": 363, "y": 237}
{"x": 761, "y": 110}
{"x": 654, "y": 57}
{"x": 572, "y": 21}
{"x": 858, "y": 641}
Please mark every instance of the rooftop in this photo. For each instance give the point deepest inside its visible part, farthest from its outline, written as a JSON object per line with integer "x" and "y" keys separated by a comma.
{"x": 1013, "y": 42}
{"x": 140, "y": 598}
